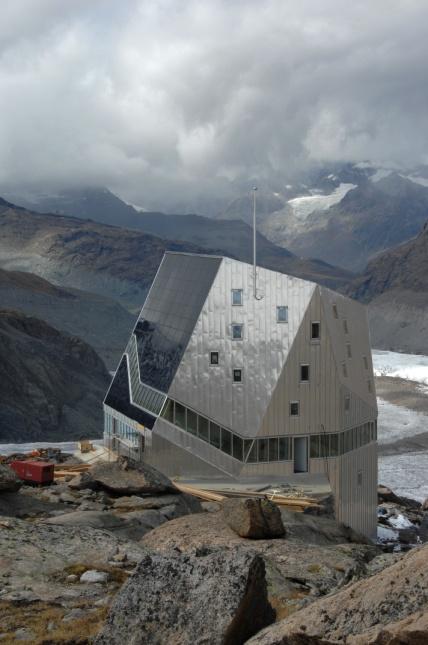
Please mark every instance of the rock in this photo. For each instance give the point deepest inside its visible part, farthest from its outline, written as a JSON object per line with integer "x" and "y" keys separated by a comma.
{"x": 424, "y": 506}
{"x": 253, "y": 518}
{"x": 126, "y": 477}
{"x": 385, "y": 494}
{"x": 215, "y": 596}
{"x": 68, "y": 498}
{"x": 412, "y": 630}
{"x": 303, "y": 565}
{"x": 92, "y": 575}
{"x": 72, "y": 578}
{"x": 135, "y": 503}
{"x": 211, "y": 507}
{"x": 82, "y": 481}
{"x": 24, "y": 634}
{"x": 390, "y": 596}
{"x": 9, "y": 482}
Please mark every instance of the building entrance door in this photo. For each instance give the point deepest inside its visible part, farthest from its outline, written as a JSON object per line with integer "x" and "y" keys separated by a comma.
{"x": 300, "y": 454}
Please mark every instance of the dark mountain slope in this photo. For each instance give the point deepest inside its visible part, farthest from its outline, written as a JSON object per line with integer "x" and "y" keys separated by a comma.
{"x": 395, "y": 284}
{"x": 369, "y": 219}
{"x": 235, "y": 238}
{"x": 121, "y": 263}
{"x": 51, "y": 385}
{"x": 71, "y": 252}
{"x": 98, "y": 320}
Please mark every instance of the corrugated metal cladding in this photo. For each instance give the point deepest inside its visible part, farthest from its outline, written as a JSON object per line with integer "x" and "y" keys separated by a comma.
{"x": 261, "y": 354}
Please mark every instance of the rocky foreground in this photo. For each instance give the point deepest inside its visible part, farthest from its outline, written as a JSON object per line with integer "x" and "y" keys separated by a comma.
{"x": 119, "y": 555}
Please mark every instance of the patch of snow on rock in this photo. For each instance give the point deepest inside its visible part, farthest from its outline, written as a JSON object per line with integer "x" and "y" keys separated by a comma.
{"x": 304, "y": 206}
{"x": 400, "y": 522}
{"x": 412, "y": 367}
{"x": 397, "y": 422}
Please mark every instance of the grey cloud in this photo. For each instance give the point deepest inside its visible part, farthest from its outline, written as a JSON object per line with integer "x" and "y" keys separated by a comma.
{"x": 161, "y": 100}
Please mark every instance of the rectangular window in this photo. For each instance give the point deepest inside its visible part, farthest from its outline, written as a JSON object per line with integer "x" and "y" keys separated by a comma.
{"x": 348, "y": 350}
{"x": 263, "y": 449}
{"x": 215, "y": 435}
{"x": 252, "y": 451}
{"x": 284, "y": 449}
{"x": 345, "y": 326}
{"x": 237, "y": 446}
{"x": 369, "y": 385}
{"x": 168, "y": 411}
{"x": 335, "y": 312}
{"x": 237, "y": 331}
{"x": 282, "y": 314}
{"x": 344, "y": 369}
{"x": 315, "y": 331}
{"x": 237, "y": 376}
{"x": 347, "y": 403}
{"x": 180, "y": 416}
{"x": 360, "y": 478}
{"x": 203, "y": 429}
{"x": 273, "y": 449}
{"x": 304, "y": 373}
{"x": 334, "y": 445}
{"x": 192, "y": 422}
{"x": 315, "y": 446}
{"x": 366, "y": 363}
{"x": 214, "y": 358}
{"x": 294, "y": 409}
{"x": 226, "y": 441}
{"x": 237, "y": 298}
{"x": 324, "y": 445}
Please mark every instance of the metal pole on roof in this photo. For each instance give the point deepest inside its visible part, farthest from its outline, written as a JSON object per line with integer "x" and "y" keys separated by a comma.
{"x": 254, "y": 243}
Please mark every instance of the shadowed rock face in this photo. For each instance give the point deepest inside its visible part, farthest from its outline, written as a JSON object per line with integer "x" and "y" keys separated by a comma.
{"x": 8, "y": 480}
{"x": 51, "y": 384}
{"x": 360, "y": 613}
{"x": 208, "y": 596}
{"x": 253, "y": 518}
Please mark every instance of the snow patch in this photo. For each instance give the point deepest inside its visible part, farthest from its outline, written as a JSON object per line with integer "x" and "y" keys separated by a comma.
{"x": 405, "y": 474}
{"x": 399, "y": 522}
{"x": 397, "y": 422}
{"x": 303, "y": 206}
{"x": 422, "y": 181}
{"x": 412, "y": 367}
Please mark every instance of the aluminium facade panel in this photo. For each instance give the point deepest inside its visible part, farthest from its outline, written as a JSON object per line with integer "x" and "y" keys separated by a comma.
{"x": 261, "y": 354}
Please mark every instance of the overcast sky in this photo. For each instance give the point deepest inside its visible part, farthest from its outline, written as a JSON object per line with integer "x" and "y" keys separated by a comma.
{"x": 169, "y": 97}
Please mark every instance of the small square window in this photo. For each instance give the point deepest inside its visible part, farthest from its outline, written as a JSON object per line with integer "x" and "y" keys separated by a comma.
{"x": 335, "y": 312}
{"x": 214, "y": 358}
{"x": 294, "y": 408}
{"x": 237, "y": 332}
{"x": 348, "y": 350}
{"x": 315, "y": 331}
{"x": 347, "y": 403}
{"x": 237, "y": 376}
{"x": 345, "y": 327}
{"x": 282, "y": 314}
{"x": 237, "y": 297}
{"x": 304, "y": 373}
{"x": 366, "y": 363}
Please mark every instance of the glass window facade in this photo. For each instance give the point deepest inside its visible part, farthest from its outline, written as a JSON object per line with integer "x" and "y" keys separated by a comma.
{"x": 237, "y": 332}
{"x": 237, "y": 297}
{"x": 265, "y": 449}
{"x": 282, "y": 314}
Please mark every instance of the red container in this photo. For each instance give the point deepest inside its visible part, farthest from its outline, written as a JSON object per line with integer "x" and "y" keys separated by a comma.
{"x": 39, "y": 472}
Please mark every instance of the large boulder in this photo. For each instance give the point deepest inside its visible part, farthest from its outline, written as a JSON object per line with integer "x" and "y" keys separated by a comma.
{"x": 216, "y": 596}
{"x": 9, "y": 482}
{"x": 125, "y": 477}
{"x": 253, "y": 518}
{"x": 361, "y": 612}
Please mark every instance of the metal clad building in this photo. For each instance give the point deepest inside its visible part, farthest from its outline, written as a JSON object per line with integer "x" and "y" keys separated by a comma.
{"x": 216, "y": 382}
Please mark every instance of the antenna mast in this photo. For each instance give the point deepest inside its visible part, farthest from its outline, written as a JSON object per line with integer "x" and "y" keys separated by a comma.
{"x": 254, "y": 243}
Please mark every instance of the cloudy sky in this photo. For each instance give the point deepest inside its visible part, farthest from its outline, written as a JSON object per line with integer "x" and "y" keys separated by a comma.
{"x": 178, "y": 97}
